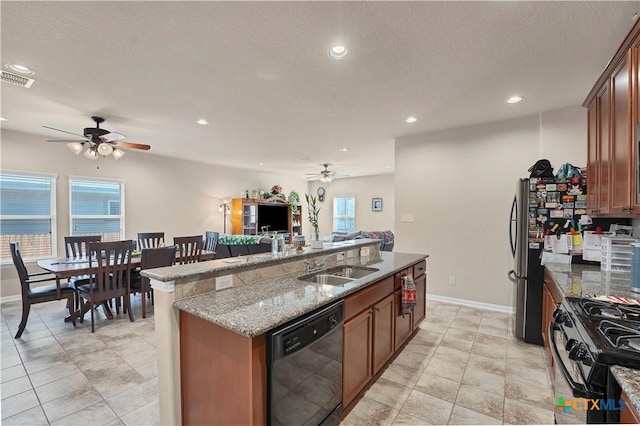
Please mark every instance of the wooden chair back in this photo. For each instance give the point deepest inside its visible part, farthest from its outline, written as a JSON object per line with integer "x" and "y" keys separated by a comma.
{"x": 110, "y": 269}
{"x": 77, "y": 246}
{"x": 150, "y": 240}
{"x": 21, "y": 268}
{"x": 157, "y": 258}
{"x": 189, "y": 249}
{"x": 211, "y": 240}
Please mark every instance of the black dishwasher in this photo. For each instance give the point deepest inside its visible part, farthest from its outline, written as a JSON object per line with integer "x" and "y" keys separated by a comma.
{"x": 304, "y": 369}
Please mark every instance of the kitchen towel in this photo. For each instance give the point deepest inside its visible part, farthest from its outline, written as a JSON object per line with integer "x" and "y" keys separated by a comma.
{"x": 618, "y": 299}
{"x": 409, "y": 295}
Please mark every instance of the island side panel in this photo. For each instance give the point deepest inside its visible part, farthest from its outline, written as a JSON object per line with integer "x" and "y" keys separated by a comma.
{"x": 223, "y": 375}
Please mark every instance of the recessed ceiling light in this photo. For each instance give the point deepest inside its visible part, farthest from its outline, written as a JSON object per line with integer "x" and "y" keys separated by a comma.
{"x": 344, "y": 150}
{"x": 3, "y": 119}
{"x": 20, "y": 69}
{"x": 387, "y": 167}
{"x": 338, "y": 52}
{"x": 514, "y": 99}
{"x": 411, "y": 120}
{"x": 202, "y": 122}
{"x": 260, "y": 164}
{"x": 304, "y": 158}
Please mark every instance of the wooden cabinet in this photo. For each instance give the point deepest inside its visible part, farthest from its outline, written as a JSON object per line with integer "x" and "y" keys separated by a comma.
{"x": 383, "y": 345}
{"x": 296, "y": 219}
{"x": 612, "y": 119}
{"x": 356, "y": 355}
{"x": 628, "y": 415}
{"x": 408, "y": 323}
{"x": 551, "y": 299}
{"x": 245, "y": 215}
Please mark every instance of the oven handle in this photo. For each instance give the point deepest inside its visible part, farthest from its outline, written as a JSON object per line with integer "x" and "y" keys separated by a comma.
{"x": 579, "y": 390}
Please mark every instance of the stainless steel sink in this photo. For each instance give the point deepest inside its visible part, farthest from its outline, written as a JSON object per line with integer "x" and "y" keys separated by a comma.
{"x": 354, "y": 272}
{"x": 326, "y": 279}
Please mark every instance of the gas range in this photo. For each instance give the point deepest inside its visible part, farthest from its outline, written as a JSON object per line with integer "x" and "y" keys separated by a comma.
{"x": 587, "y": 337}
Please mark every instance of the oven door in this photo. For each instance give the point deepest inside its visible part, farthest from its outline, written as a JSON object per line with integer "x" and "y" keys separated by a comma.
{"x": 569, "y": 381}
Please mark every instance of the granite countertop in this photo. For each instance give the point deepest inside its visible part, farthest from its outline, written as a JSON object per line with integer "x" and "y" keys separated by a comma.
{"x": 629, "y": 381}
{"x": 577, "y": 280}
{"x": 258, "y": 307}
{"x": 231, "y": 265}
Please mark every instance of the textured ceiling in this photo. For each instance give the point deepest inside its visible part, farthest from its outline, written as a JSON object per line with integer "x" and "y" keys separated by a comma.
{"x": 260, "y": 74}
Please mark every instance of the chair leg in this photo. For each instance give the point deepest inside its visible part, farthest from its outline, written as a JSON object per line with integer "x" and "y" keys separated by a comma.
{"x": 127, "y": 303}
{"x": 143, "y": 294}
{"x": 93, "y": 329}
{"x": 71, "y": 302}
{"x": 26, "y": 307}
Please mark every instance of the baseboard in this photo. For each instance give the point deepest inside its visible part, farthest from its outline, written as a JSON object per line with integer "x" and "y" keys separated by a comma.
{"x": 472, "y": 303}
{"x": 13, "y": 298}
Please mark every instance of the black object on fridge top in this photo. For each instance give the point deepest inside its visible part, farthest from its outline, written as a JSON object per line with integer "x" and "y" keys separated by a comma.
{"x": 540, "y": 205}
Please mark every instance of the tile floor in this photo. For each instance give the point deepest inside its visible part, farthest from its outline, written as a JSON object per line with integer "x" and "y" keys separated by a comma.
{"x": 463, "y": 367}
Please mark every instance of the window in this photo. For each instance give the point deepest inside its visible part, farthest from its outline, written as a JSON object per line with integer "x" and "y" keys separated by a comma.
{"x": 344, "y": 214}
{"x": 97, "y": 207}
{"x": 28, "y": 214}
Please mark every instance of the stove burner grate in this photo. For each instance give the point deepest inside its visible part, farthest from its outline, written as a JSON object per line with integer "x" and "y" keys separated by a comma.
{"x": 600, "y": 309}
{"x": 618, "y": 335}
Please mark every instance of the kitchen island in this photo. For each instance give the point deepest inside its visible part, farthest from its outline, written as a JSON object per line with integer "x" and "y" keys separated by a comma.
{"x": 265, "y": 292}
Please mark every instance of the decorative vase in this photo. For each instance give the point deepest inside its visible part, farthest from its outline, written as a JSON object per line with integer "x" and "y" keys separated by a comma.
{"x": 316, "y": 241}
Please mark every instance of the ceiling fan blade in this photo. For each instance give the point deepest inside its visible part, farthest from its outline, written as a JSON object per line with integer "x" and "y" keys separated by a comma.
{"x": 64, "y": 131}
{"x": 112, "y": 137}
{"x": 67, "y": 141}
{"x": 339, "y": 175}
{"x": 132, "y": 145}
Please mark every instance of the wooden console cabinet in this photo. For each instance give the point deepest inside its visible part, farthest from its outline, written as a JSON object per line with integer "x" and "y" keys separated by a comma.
{"x": 613, "y": 116}
{"x": 244, "y": 215}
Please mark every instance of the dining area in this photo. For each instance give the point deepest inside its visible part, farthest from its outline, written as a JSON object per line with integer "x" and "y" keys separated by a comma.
{"x": 96, "y": 275}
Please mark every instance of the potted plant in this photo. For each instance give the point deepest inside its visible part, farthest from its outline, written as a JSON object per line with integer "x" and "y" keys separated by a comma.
{"x": 313, "y": 209}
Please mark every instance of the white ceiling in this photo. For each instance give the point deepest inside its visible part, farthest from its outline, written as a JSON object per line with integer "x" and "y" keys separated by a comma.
{"x": 260, "y": 73}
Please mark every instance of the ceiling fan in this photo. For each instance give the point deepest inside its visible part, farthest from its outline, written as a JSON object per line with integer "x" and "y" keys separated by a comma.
{"x": 326, "y": 175}
{"x": 100, "y": 142}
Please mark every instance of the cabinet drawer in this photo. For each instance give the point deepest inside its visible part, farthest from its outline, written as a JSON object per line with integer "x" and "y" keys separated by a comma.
{"x": 419, "y": 269}
{"x": 367, "y": 297}
{"x": 398, "y": 277}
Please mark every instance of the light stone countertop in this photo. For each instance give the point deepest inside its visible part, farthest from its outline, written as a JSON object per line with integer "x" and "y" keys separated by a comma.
{"x": 576, "y": 280}
{"x": 629, "y": 381}
{"x": 258, "y": 307}
{"x": 230, "y": 265}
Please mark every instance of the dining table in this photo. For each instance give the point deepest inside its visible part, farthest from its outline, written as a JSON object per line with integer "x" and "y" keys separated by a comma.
{"x": 68, "y": 267}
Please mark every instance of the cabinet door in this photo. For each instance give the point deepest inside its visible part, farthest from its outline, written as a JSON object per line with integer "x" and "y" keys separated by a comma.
{"x": 603, "y": 113}
{"x": 629, "y": 415}
{"x": 403, "y": 326}
{"x": 419, "y": 311}
{"x": 593, "y": 160}
{"x": 620, "y": 142}
{"x": 356, "y": 355}
{"x": 635, "y": 134}
{"x": 383, "y": 343}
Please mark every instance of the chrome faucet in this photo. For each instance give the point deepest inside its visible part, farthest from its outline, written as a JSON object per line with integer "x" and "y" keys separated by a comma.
{"x": 317, "y": 264}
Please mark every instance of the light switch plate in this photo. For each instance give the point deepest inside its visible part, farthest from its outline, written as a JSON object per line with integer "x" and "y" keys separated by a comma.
{"x": 340, "y": 257}
{"x": 405, "y": 217}
{"x": 224, "y": 282}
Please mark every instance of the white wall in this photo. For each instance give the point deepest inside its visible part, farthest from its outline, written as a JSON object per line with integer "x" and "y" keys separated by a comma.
{"x": 459, "y": 184}
{"x": 364, "y": 189}
{"x": 162, "y": 194}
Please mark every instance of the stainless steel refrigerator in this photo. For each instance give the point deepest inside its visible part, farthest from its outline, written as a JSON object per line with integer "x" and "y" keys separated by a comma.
{"x": 527, "y": 273}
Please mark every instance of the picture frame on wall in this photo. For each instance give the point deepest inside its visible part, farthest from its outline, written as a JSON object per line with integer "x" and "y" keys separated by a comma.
{"x": 376, "y": 204}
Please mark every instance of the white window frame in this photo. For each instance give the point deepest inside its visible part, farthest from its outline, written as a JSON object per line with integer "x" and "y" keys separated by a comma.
{"x": 336, "y": 216}
{"x": 121, "y": 216}
{"x": 52, "y": 216}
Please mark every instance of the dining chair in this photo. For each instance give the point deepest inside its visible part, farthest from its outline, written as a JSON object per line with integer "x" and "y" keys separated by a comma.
{"x": 40, "y": 294}
{"x": 151, "y": 258}
{"x": 110, "y": 275}
{"x": 210, "y": 240}
{"x": 76, "y": 246}
{"x": 150, "y": 240}
{"x": 189, "y": 249}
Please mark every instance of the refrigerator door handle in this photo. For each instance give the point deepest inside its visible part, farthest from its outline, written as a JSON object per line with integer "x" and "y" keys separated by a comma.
{"x": 513, "y": 277}
{"x": 513, "y": 219}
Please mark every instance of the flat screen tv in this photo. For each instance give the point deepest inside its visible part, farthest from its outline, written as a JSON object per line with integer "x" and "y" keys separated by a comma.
{"x": 275, "y": 216}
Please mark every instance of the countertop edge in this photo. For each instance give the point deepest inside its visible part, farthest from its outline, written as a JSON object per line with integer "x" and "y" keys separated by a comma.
{"x": 629, "y": 381}
{"x": 203, "y": 305}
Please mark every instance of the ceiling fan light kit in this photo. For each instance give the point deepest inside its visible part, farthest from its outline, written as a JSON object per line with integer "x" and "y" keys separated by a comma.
{"x": 326, "y": 175}
{"x": 100, "y": 142}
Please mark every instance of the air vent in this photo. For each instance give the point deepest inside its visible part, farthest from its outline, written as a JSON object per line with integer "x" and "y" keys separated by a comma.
{"x": 16, "y": 79}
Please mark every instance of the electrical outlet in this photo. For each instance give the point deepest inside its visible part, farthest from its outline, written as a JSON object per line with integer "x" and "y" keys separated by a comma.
{"x": 340, "y": 257}
{"x": 350, "y": 254}
{"x": 452, "y": 280}
{"x": 224, "y": 282}
{"x": 405, "y": 217}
